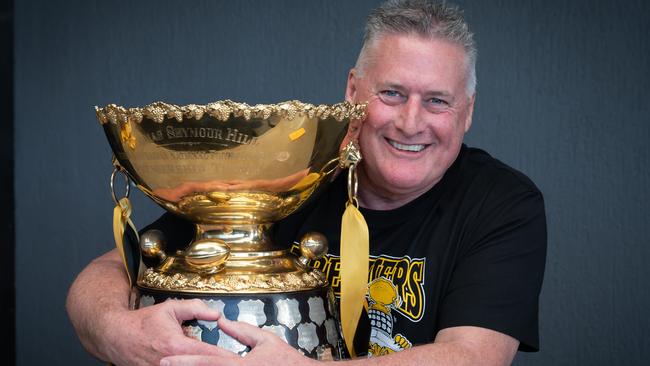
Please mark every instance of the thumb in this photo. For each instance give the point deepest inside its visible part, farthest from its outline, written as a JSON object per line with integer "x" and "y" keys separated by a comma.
{"x": 198, "y": 360}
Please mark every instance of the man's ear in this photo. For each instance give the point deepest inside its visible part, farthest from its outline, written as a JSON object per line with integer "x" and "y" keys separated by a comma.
{"x": 470, "y": 112}
{"x": 354, "y": 128}
{"x": 351, "y": 87}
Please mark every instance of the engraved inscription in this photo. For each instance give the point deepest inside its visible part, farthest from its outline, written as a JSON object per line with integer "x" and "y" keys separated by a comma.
{"x": 316, "y": 310}
{"x": 173, "y": 134}
{"x": 288, "y": 312}
{"x": 307, "y": 337}
{"x": 230, "y": 343}
{"x": 331, "y": 331}
{"x": 251, "y": 312}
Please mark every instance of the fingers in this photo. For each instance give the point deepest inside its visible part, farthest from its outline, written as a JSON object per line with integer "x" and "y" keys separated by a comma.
{"x": 245, "y": 333}
{"x": 187, "y": 360}
{"x": 188, "y": 346}
{"x": 192, "y": 309}
{"x": 194, "y": 360}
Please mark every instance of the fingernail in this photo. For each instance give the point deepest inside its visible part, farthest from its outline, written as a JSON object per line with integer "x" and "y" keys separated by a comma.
{"x": 165, "y": 362}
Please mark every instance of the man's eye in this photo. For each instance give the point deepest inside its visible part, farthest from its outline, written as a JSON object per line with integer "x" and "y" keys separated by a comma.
{"x": 390, "y": 93}
{"x": 438, "y": 102}
{"x": 391, "y": 96}
{"x": 437, "y": 105}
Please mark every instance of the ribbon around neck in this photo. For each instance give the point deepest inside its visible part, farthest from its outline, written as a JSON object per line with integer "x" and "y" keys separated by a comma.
{"x": 121, "y": 218}
{"x": 354, "y": 271}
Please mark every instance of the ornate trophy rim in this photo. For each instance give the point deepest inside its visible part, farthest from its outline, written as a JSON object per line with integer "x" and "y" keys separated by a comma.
{"x": 222, "y": 110}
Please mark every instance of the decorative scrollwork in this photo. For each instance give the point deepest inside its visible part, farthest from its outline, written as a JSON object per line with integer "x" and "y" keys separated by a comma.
{"x": 223, "y": 110}
{"x": 262, "y": 282}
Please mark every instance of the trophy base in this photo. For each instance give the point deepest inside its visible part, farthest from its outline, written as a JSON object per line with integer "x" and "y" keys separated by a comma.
{"x": 303, "y": 319}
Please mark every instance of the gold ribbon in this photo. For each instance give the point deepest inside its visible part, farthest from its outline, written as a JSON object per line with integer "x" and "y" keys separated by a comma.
{"x": 354, "y": 271}
{"x": 354, "y": 255}
{"x": 121, "y": 218}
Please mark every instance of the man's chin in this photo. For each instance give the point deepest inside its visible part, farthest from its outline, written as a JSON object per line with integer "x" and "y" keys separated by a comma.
{"x": 404, "y": 185}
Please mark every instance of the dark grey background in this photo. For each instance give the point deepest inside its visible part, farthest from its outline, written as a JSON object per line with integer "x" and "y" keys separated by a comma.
{"x": 562, "y": 96}
{"x": 7, "y": 224}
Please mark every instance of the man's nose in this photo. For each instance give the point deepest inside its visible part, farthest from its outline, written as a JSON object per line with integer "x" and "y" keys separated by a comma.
{"x": 408, "y": 121}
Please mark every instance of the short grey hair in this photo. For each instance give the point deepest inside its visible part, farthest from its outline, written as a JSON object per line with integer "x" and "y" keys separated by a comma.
{"x": 430, "y": 19}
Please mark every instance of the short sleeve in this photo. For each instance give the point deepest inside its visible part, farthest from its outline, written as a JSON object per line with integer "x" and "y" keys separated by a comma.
{"x": 497, "y": 279}
{"x": 177, "y": 232}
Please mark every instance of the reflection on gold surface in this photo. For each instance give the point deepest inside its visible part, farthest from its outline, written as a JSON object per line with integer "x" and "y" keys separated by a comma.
{"x": 270, "y": 185}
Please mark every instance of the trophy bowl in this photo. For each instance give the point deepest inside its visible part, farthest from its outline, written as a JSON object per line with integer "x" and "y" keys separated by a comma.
{"x": 233, "y": 169}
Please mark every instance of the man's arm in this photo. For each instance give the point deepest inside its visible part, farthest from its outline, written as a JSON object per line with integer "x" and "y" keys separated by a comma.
{"x": 98, "y": 307}
{"x": 99, "y": 290}
{"x": 453, "y": 346}
{"x": 456, "y": 346}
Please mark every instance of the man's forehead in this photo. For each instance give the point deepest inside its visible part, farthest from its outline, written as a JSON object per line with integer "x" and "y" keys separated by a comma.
{"x": 397, "y": 61}
{"x": 409, "y": 49}
{"x": 434, "y": 42}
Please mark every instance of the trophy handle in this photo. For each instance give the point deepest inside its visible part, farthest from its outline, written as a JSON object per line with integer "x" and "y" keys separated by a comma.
{"x": 124, "y": 231}
{"x": 117, "y": 168}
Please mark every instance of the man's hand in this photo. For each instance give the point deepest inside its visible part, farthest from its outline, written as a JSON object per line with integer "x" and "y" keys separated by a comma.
{"x": 98, "y": 308}
{"x": 266, "y": 349}
{"x": 144, "y": 336}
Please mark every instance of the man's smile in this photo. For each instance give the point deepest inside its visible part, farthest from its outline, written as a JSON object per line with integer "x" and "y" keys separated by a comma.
{"x": 406, "y": 147}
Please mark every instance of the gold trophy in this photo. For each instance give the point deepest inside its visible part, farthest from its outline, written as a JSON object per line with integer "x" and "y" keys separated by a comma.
{"x": 232, "y": 169}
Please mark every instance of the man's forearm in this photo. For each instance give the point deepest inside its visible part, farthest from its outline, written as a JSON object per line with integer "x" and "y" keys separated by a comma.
{"x": 429, "y": 354}
{"x": 437, "y": 354}
{"x": 456, "y": 346}
{"x": 99, "y": 291}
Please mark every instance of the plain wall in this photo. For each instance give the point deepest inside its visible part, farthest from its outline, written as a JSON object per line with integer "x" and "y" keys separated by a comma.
{"x": 562, "y": 96}
{"x": 7, "y": 223}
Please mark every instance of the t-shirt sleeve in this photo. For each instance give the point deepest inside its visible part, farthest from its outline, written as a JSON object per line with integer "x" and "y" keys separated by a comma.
{"x": 498, "y": 276}
{"x": 177, "y": 232}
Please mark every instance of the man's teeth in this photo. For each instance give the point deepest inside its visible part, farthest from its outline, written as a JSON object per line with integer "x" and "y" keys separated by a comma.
{"x": 398, "y": 146}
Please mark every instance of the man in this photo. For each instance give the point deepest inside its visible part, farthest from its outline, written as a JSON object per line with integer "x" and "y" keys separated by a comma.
{"x": 458, "y": 239}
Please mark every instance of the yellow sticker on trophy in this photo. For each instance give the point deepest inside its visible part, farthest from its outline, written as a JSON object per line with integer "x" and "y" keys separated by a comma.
{"x": 297, "y": 134}
{"x": 306, "y": 181}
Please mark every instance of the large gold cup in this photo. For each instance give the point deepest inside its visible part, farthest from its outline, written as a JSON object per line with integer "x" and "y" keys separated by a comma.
{"x": 233, "y": 169}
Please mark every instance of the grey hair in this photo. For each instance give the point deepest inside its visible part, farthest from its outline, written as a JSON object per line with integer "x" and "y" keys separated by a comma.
{"x": 430, "y": 19}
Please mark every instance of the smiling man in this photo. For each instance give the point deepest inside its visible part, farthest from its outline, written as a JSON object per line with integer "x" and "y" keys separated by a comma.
{"x": 458, "y": 239}
{"x": 419, "y": 108}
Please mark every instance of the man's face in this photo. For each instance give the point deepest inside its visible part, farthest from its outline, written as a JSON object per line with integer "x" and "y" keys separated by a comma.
{"x": 418, "y": 113}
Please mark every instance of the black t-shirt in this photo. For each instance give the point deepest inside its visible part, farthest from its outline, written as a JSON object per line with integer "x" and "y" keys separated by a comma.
{"x": 469, "y": 252}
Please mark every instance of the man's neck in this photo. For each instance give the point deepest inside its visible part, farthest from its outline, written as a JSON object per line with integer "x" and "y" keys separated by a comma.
{"x": 375, "y": 197}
